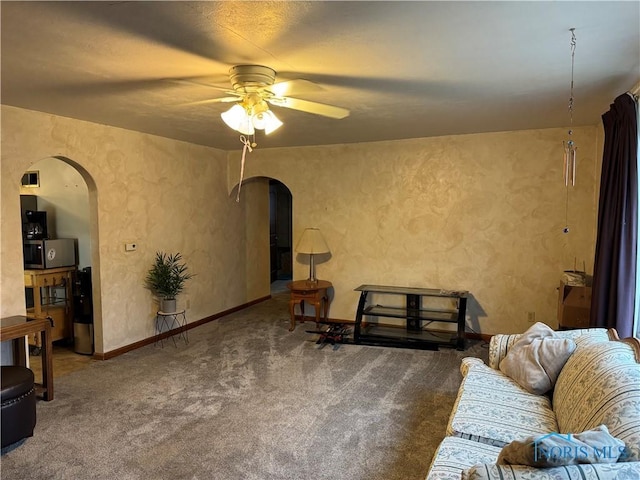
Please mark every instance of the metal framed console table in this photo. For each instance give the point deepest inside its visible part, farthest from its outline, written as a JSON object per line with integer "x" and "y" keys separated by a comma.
{"x": 423, "y": 310}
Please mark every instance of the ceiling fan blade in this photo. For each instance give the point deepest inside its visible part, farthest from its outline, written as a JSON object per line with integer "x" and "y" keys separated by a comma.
{"x": 316, "y": 108}
{"x": 294, "y": 87}
{"x": 212, "y": 100}
{"x": 387, "y": 85}
{"x": 190, "y": 83}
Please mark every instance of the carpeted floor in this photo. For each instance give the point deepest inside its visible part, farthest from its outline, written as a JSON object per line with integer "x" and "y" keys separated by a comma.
{"x": 245, "y": 400}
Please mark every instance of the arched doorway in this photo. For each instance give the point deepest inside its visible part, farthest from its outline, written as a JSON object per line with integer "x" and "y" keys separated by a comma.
{"x": 65, "y": 193}
{"x": 270, "y": 256}
{"x": 280, "y": 235}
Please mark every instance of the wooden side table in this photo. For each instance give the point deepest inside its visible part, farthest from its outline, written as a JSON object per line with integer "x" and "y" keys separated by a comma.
{"x": 44, "y": 284}
{"x": 16, "y": 328}
{"x": 314, "y": 293}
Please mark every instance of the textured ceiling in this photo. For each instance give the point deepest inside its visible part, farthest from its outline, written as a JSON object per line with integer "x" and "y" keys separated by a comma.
{"x": 403, "y": 69}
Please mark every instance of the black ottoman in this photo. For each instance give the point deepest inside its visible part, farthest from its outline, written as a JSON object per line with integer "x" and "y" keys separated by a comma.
{"x": 18, "y": 398}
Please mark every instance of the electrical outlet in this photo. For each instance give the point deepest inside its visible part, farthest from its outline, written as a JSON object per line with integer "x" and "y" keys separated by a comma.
{"x": 130, "y": 247}
{"x": 531, "y": 317}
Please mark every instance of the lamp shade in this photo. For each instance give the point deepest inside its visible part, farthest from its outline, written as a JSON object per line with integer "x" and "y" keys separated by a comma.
{"x": 312, "y": 242}
{"x": 238, "y": 119}
{"x": 266, "y": 121}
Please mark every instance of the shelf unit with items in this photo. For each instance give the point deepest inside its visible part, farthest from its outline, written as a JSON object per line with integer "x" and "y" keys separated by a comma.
{"x": 420, "y": 311}
{"x": 49, "y": 295}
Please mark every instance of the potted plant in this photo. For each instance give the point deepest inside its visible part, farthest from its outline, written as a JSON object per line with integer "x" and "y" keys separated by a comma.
{"x": 166, "y": 279}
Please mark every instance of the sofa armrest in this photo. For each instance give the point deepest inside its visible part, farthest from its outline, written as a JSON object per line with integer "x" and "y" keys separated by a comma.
{"x": 467, "y": 363}
{"x": 600, "y": 471}
{"x": 499, "y": 347}
{"x": 500, "y": 344}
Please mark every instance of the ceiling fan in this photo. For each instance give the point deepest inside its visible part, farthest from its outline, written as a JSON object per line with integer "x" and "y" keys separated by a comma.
{"x": 254, "y": 89}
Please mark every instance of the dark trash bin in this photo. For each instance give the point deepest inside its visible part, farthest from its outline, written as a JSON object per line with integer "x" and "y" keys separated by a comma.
{"x": 83, "y": 338}
{"x": 83, "y": 313}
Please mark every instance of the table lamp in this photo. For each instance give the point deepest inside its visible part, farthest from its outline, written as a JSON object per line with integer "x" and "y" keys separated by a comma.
{"x": 312, "y": 243}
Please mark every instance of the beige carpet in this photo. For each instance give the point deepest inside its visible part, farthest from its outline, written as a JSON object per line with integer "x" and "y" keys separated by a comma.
{"x": 246, "y": 399}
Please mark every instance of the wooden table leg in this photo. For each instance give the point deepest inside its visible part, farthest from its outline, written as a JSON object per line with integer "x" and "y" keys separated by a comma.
{"x": 292, "y": 310}
{"x": 20, "y": 353}
{"x": 47, "y": 363}
{"x": 318, "y": 305}
{"x": 326, "y": 307}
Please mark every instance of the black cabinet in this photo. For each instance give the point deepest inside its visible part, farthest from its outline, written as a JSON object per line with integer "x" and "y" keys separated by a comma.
{"x": 425, "y": 313}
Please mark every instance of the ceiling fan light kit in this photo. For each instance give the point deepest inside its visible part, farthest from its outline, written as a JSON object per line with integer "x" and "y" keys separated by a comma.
{"x": 251, "y": 114}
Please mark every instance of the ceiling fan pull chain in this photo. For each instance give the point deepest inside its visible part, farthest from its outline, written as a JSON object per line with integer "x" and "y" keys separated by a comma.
{"x": 247, "y": 146}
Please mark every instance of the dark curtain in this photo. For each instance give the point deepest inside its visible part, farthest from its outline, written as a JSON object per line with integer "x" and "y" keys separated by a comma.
{"x": 614, "y": 272}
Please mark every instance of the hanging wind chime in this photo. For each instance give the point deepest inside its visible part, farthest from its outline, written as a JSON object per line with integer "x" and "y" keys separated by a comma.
{"x": 570, "y": 159}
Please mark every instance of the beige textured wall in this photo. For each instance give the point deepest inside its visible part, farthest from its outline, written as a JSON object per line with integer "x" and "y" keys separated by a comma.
{"x": 255, "y": 198}
{"x": 160, "y": 193}
{"x": 480, "y": 212}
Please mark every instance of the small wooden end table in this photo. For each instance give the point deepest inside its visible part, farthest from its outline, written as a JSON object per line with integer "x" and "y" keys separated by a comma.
{"x": 314, "y": 293}
{"x": 15, "y": 328}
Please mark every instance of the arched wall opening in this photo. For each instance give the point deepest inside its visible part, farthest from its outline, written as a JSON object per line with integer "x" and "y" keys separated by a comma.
{"x": 263, "y": 195}
{"x": 68, "y": 193}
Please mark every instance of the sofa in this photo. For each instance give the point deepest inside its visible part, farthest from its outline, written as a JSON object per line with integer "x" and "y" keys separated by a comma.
{"x": 599, "y": 384}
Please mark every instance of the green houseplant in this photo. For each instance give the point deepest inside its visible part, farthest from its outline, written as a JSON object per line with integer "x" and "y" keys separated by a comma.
{"x": 166, "y": 279}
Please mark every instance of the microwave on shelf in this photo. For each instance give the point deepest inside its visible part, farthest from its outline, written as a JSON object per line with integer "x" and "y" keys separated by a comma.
{"x": 49, "y": 253}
